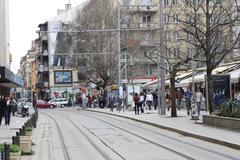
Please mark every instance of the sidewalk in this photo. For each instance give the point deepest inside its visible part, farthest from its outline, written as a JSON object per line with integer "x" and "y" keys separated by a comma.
{"x": 183, "y": 125}
{"x": 6, "y": 132}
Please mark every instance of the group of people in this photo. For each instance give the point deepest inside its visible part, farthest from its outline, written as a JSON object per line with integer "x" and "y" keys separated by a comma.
{"x": 145, "y": 100}
{"x": 7, "y": 106}
{"x": 151, "y": 99}
{"x": 189, "y": 98}
{"x": 89, "y": 101}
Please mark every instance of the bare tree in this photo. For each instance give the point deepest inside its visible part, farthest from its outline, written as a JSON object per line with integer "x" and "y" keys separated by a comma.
{"x": 100, "y": 66}
{"x": 211, "y": 29}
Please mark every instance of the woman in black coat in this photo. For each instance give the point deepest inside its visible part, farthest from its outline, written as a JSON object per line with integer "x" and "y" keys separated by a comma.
{"x": 8, "y": 109}
{"x": 2, "y": 108}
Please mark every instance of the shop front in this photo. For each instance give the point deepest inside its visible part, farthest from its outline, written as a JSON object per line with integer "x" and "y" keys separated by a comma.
{"x": 8, "y": 80}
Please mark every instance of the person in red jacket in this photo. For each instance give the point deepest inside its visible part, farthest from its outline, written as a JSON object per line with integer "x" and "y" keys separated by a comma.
{"x": 136, "y": 99}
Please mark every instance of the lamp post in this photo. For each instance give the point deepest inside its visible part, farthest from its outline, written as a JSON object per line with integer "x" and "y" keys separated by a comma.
{"x": 119, "y": 52}
{"x": 162, "y": 62}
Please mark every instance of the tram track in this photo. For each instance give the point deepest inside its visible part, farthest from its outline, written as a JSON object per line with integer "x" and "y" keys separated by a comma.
{"x": 169, "y": 137}
{"x": 143, "y": 138}
{"x": 62, "y": 142}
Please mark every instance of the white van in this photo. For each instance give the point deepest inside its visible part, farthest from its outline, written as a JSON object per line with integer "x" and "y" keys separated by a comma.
{"x": 60, "y": 102}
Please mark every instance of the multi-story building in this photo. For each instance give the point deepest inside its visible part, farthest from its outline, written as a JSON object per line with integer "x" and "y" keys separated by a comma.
{"x": 7, "y": 79}
{"x": 55, "y": 70}
{"x": 142, "y": 18}
{"x": 28, "y": 69}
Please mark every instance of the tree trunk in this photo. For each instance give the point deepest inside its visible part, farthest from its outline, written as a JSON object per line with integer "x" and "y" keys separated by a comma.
{"x": 173, "y": 95}
{"x": 210, "y": 89}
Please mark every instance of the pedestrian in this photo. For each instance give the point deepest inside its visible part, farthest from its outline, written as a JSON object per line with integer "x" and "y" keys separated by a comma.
{"x": 141, "y": 101}
{"x": 89, "y": 101}
{"x": 149, "y": 100}
{"x": 2, "y": 108}
{"x": 84, "y": 100}
{"x": 79, "y": 101}
{"x": 8, "y": 110}
{"x": 100, "y": 100}
{"x": 188, "y": 99}
{"x": 136, "y": 102}
{"x": 155, "y": 100}
{"x": 111, "y": 101}
{"x": 168, "y": 99}
{"x": 179, "y": 96}
{"x": 199, "y": 98}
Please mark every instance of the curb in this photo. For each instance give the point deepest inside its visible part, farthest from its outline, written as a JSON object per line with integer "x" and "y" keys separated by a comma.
{"x": 185, "y": 133}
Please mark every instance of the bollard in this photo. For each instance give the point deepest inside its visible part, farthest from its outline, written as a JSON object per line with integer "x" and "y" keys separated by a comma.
{"x": 23, "y": 130}
{"x": 18, "y": 138}
{"x": 6, "y": 151}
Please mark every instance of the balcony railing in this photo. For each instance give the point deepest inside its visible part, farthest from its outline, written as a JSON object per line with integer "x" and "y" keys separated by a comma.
{"x": 141, "y": 8}
{"x": 139, "y": 25}
{"x": 149, "y": 42}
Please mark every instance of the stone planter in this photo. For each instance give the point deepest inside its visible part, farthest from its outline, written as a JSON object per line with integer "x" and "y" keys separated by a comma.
{"x": 26, "y": 143}
{"x": 15, "y": 155}
{"x": 219, "y": 121}
{"x": 28, "y": 133}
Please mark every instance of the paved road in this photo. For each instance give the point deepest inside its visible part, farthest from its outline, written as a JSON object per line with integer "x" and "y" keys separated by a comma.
{"x": 72, "y": 135}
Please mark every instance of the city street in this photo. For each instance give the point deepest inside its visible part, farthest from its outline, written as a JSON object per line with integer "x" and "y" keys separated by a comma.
{"x": 71, "y": 134}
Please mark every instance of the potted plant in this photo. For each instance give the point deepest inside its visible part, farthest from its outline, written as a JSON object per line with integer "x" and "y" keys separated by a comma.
{"x": 28, "y": 131}
{"x": 15, "y": 152}
{"x": 1, "y": 147}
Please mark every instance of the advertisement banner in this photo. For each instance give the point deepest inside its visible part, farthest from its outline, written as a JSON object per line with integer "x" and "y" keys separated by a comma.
{"x": 221, "y": 89}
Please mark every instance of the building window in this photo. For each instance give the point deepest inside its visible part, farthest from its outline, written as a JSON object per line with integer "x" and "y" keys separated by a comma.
{"x": 150, "y": 70}
{"x": 146, "y": 2}
{"x": 175, "y": 18}
{"x": 176, "y": 52}
{"x": 146, "y": 19}
{"x": 174, "y": 2}
{"x": 176, "y": 35}
{"x": 166, "y": 18}
{"x": 166, "y": 2}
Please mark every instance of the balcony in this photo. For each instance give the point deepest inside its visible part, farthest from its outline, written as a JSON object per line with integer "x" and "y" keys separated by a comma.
{"x": 42, "y": 68}
{"x": 149, "y": 43}
{"x": 141, "y": 8}
{"x": 143, "y": 26}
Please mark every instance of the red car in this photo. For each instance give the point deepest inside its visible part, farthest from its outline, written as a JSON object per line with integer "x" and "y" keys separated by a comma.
{"x": 43, "y": 104}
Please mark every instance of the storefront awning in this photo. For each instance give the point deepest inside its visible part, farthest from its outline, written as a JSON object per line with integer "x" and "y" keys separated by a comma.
{"x": 9, "y": 79}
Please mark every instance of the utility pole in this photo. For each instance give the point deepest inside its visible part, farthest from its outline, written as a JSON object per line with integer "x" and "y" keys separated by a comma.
{"x": 162, "y": 59}
{"x": 119, "y": 52}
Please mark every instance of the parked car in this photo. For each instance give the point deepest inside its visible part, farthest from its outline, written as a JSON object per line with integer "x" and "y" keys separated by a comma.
{"x": 60, "y": 102}
{"x": 43, "y": 104}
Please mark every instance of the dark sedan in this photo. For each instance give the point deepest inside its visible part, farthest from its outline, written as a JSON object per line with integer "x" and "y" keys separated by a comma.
{"x": 43, "y": 104}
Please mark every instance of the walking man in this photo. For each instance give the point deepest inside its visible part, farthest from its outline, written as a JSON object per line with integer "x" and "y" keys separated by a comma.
{"x": 111, "y": 102}
{"x": 188, "y": 99}
{"x": 149, "y": 99}
{"x": 199, "y": 98}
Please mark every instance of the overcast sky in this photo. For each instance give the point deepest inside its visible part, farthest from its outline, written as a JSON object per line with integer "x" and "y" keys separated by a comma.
{"x": 24, "y": 19}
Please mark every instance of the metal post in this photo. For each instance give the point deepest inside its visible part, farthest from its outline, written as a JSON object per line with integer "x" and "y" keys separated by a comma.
{"x": 193, "y": 74}
{"x": 126, "y": 76}
{"x": 119, "y": 52}
{"x": 159, "y": 91}
{"x": 162, "y": 60}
